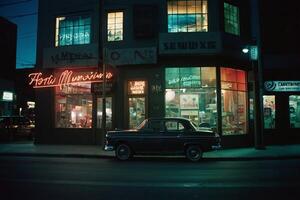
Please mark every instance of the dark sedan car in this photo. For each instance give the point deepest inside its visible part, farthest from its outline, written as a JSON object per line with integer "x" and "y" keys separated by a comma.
{"x": 163, "y": 136}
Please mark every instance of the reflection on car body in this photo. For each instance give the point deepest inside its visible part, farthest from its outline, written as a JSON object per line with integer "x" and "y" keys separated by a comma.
{"x": 163, "y": 136}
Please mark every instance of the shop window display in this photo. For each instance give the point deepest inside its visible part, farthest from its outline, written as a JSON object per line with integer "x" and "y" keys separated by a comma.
{"x": 234, "y": 101}
{"x": 73, "y": 106}
{"x": 191, "y": 93}
{"x": 294, "y": 102}
{"x": 269, "y": 111}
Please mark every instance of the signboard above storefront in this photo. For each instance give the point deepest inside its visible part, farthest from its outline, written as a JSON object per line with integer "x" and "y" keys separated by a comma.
{"x": 131, "y": 56}
{"x": 78, "y": 55}
{"x": 65, "y": 77}
{"x": 189, "y": 43}
{"x": 282, "y": 86}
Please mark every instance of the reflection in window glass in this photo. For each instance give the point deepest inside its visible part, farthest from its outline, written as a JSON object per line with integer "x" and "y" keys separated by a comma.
{"x": 73, "y": 106}
{"x": 108, "y": 112}
{"x": 294, "y": 102}
{"x": 191, "y": 93}
{"x": 187, "y": 16}
{"x": 234, "y": 101}
{"x": 114, "y": 26}
{"x": 269, "y": 111}
{"x": 72, "y": 30}
{"x": 231, "y": 19}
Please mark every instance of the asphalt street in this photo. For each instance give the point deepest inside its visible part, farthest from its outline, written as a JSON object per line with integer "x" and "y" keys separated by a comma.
{"x": 147, "y": 178}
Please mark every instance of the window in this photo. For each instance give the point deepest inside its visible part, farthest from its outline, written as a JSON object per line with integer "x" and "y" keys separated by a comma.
{"x": 234, "y": 101}
{"x": 187, "y": 16}
{"x": 269, "y": 111}
{"x": 136, "y": 91}
{"x": 114, "y": 26}
{"x": 294, "y": 102}
{"x": 73, "y": 106}
{"x": 191, "y": 93}
{"x": 108, "y": 106}
{"x": 231, "y": 19}
{"x": 174, "y": 126}
{"x": 73, "y": 30}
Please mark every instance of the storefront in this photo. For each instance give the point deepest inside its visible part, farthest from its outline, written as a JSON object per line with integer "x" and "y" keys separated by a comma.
{"x": 282, "y": 111}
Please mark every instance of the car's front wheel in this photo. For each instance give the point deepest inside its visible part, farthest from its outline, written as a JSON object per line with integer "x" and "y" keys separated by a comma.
{"x": 194, "y": 153}
{"x": 123, "y": 152}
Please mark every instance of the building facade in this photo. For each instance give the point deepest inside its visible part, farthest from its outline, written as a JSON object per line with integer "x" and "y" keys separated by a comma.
{"x": 8, "y": 45}
{"x": 163, "y": 58}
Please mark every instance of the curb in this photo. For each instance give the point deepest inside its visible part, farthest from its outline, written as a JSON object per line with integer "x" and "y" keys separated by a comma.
{"x": 149, "y": 157}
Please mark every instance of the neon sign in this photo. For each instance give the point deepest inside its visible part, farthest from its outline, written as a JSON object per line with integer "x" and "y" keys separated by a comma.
{"x": 39, "y": 80}
{"x": 136, "y": 87}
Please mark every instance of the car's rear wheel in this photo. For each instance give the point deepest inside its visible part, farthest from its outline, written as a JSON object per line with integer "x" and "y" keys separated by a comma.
{"x": 194, "y": 153}
{"x": 123, "y": 152}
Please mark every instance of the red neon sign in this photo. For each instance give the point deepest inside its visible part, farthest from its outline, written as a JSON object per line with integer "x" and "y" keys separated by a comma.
{"x": 38, "y": 80}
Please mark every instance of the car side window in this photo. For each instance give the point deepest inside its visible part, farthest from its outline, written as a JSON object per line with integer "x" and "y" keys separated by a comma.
{"x": 174, "y": 126}
{"x": 154, "y": 126}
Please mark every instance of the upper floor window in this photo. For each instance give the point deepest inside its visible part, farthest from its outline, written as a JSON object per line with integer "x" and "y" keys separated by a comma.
{"x": 187, "y": 16}
{"x": 231, "y": 19}
{"x": 72, "y": 30}
{"x": 114, "y": 26}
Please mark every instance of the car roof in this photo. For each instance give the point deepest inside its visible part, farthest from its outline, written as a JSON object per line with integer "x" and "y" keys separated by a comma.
{"x": 168, "y": 118}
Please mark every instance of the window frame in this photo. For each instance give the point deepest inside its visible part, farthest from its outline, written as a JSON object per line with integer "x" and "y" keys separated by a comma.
{"x": 57, "y": 34}
{"x": 231, "y": 19}
{"x": 175, "y": 14}
{"x": 107, "y": 25}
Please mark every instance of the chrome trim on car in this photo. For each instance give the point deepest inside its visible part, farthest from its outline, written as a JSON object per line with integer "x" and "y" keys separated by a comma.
{"x": 109, "y": 148}
{"x": 216, "y": 147}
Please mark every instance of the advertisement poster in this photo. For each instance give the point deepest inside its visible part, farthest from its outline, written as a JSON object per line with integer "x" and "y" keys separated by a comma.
{"x": 189, "y": 101}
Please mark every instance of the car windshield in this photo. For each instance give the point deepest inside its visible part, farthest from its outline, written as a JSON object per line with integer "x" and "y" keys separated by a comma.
{"x": 141, "y": 125}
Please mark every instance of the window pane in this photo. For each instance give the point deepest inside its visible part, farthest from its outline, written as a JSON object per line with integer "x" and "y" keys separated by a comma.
{"x": 73, "y": 30}
{"x": 269, "y": 111}
{"x": 115, "y": 26}
{"x": 184, "y": 15}
{"x": 186, "y": 96}
{"x": 294, "y": 102}
{"x": 234, "y": 101}
{"x": 231, "y": 19}
{"x": 73, "y": 106}
{"x": 108, "y": 112}
{"x": 136, "y": 111}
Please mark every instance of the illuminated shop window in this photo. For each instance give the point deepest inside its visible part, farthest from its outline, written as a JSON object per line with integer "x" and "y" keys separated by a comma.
{"x": 73, "y": 106}
{"x": 187, "y": 16}
{"x": 269, "y": 111}
{"x": 234, "y": 101}
{"x": 73, "y": 30}
{"x": 114, "y": 26}
{"x": 191, "y": 93}
{"x": 294, "y": 102}
{"x": 231, "y": 19}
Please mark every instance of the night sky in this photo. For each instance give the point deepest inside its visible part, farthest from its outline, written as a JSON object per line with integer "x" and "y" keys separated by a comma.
{"x": 24, "y": 14}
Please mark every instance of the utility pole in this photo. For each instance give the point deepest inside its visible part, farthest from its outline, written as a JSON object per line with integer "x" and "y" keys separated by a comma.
{"x": 103, "y": 123}
{"x": 258, "y": 76}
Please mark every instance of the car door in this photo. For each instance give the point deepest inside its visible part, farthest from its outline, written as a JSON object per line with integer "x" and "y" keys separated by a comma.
{"x": 150, "y": 138}
{"x": 172, "y": 137}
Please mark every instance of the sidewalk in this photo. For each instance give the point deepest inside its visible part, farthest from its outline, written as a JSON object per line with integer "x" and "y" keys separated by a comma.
{"x": 93, "y": 151}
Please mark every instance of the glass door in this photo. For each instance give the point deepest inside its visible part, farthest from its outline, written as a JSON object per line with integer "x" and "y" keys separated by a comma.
{"x": 108, "y": 112}
{"x": 136, "y": 111}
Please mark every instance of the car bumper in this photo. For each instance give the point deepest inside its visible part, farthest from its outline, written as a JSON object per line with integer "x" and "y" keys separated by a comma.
{"x": 216, "y": 147}
{"x": 109, "y": 148}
